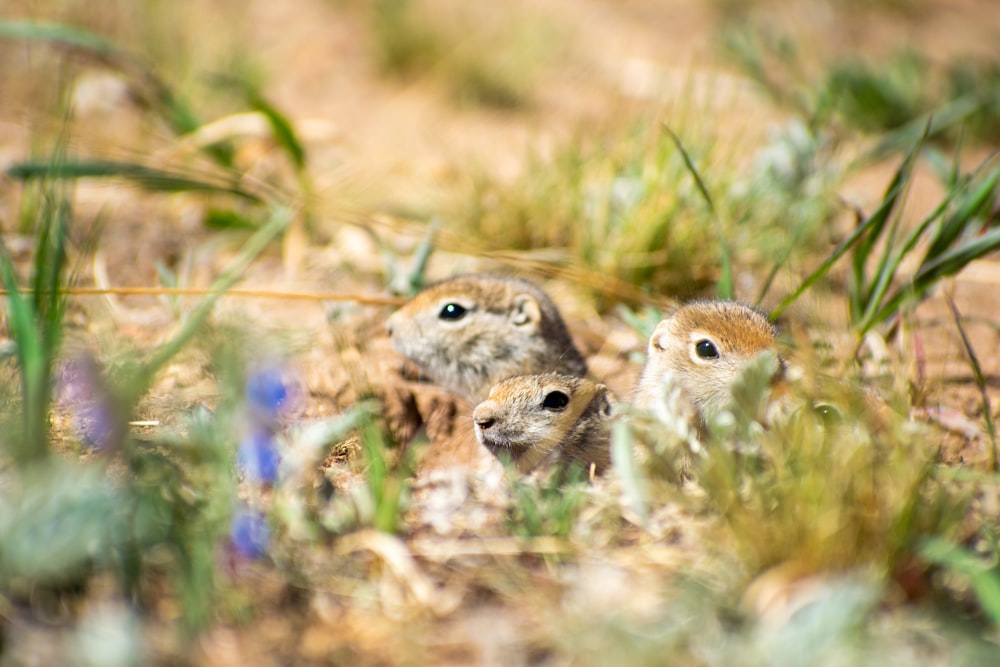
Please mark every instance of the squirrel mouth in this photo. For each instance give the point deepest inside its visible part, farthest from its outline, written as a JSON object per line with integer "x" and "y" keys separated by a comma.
{"x": 501, "y": 445}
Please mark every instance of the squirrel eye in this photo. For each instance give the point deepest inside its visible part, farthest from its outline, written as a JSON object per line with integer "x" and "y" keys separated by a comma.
{"x": 452, "y": 311}
{"x": 706, "y": 349}
{"x": 555, "y": 401}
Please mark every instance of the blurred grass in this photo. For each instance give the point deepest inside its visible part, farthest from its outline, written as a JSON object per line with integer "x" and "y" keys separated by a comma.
{"x": 664, "y": 210}
{"x": 623, "y": 206}
{"x": 861, "y": 95}
{"x": 482, "y": 57}
{"x": 35, "y": 318}
{"x": 855, "y": 490}
{"x": 860, "y": 503}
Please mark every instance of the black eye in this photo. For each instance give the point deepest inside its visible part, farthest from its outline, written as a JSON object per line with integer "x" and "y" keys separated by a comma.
{"x": 452, "y": 311}
{"x": 555, "y": 401}
{"x": 706, "y": 349}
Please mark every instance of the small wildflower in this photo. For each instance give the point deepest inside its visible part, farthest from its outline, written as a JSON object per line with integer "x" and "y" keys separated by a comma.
{"x": 258, "y": 456}
{"x": 267, "y": 393}
{"x": 82, "y": 390}
{"x": 249, "y": 533}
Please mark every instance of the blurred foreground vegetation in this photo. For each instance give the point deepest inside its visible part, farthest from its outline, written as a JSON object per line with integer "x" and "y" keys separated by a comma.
{"x": 136, "y": 529}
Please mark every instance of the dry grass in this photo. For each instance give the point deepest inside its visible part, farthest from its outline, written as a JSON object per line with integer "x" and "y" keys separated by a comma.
{"x": 178, "y": 537}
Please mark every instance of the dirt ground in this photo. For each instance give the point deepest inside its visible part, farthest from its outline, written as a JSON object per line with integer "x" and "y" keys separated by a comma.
{"x": 377, "y": 144}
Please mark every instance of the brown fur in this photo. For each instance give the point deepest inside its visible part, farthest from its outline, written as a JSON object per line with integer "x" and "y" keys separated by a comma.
{"x": 737, "y": 333}
{"x": 515, "y": 422}
{"x": 509, "y": 327}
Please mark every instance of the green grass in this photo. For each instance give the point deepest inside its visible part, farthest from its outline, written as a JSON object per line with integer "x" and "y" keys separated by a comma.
{"x": 659, "y": 209}
{"x": 221, "y": 175}
{"x": 880, "y": 98}
{"x": 852, "y": 490}
{"x": 625, "y": 208}
{"x": 35, "y": 317}
{"x": 957, "y": 231}
{"x": 655, "y": 561}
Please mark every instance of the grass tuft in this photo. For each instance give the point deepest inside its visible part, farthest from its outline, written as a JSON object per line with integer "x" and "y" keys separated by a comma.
{"x": 957, "y": 232}
{"x": 36, "y": 317}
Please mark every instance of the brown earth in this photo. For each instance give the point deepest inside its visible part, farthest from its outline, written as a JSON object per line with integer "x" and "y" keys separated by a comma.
{"x": 380, "y": 144}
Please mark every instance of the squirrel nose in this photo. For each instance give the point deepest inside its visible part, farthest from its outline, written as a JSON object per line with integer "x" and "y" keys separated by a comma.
{"x": 484, "y": 417}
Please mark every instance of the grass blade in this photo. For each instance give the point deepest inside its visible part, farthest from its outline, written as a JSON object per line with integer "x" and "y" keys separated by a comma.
{"x": 950, "y": 115}
{"x": 985, "y": 582}
{"x": 31, "y": 360}
{"x": 977, "y": 371}
{"x": 955, "y": 260}
{"x": 60, "y": 34}
{"x": 36, "y": 320}
{"x": 279, "y": 221}
{"x": 861, "y": 292}
{"x": 633, "y": 484}
{"x": 283, "y": 131}
{"x": 862, "y": 239}
{"x": 147, "y": 178}
{"x": 876, "y": 219}
{"x": 931, "y": 273}
{"x": 725, "y": 287}
{"x": 957, "y": 222}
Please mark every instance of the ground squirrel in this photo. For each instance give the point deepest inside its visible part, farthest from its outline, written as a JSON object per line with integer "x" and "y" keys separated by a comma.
{"x": 549, "y": 417}
{"x": 703, "y": 346}
{"x": 471, "y": 331}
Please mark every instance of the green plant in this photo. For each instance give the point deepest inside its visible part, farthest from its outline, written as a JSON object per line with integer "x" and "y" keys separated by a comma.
{"x": 251, "y": 199}
{"x": 956, "y": 232}
{"x": 844, "y": 488}
{"x": 386, "y": 478}
{"x": 36, "y": 317}
{"x": 985, "y": 580}
{"x": 894, "y": 97}
{"x": 107, "y": 524}
{"x": 623, "y": 207}
{"x": 547, "y": 506}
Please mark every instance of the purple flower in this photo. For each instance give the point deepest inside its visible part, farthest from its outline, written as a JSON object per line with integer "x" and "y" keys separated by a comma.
{"x": 258, "y": 456}
{"x": 267, "y": 393}
{"x": 97, "y": 425}
{"x": 82, "y": 389}
{"x": 249, "y": 533}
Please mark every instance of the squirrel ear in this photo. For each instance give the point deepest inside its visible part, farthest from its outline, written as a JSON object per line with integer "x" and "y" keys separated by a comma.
{"x": 526, "y": 310}
{"x": 607, "y": 401}
{"x": 658, "y": 333}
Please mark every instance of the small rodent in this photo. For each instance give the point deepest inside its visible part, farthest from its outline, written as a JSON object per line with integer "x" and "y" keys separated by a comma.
{"x": 703, "y": 346}
{"x": 531, "y": 419}
{"x": 468, "y": 332}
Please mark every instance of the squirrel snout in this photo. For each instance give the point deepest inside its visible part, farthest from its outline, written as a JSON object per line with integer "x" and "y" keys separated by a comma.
{"x": 484, "y": 416}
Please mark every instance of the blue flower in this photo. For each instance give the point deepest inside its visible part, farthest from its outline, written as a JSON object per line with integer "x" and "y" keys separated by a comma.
{"x": 258, "y": 456}
{"x": 249, "y": 533}
{"x": 266, "y": 392}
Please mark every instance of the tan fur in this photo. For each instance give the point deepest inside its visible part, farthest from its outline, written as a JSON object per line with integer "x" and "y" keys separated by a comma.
{"x": 514, "y": 422}
{"x": 737, "y": 333}
{"x": 509, "y": 327}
